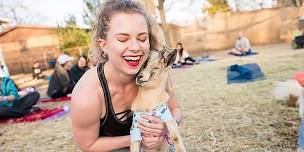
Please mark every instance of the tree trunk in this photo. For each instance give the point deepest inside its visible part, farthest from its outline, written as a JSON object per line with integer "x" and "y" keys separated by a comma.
{"x": 164, "y": 24}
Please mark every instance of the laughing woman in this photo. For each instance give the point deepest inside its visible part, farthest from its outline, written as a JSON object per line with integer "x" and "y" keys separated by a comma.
{"x": 101, "y": 118}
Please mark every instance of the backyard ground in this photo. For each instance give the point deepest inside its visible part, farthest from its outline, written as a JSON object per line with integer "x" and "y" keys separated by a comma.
{"x": 218, "y": 117}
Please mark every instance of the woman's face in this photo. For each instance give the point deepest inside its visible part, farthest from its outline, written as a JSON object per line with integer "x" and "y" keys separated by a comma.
{"x": 82, "y": 62}
{"x": 179, "y": 46}
{"x": 127, "y": 43}
{"x": 68, "y": 65}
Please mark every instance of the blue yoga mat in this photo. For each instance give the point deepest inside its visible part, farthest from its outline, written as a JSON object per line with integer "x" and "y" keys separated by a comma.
{"x": 249, "y": 53}
{"x": 244, "y": 73}
{"x": 203, "y": 59}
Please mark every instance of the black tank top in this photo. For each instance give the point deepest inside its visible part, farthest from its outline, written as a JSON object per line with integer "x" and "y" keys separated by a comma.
{"x": 110, "y": 124}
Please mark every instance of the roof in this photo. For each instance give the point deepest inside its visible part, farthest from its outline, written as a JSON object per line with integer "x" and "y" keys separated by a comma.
{"x": 3, "y": 20}
{"x": 26, "y": 26}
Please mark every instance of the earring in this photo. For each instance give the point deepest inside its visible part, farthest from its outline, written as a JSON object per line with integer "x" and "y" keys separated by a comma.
{"x": 104, "y": 55}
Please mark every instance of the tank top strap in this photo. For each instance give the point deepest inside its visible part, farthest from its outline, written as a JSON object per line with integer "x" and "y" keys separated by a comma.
{"x": 105, "y": 88}
{"x": 110, "y": 125}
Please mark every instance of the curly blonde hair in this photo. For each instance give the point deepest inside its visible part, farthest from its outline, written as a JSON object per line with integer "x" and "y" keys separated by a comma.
{"x": 102, "y": 25}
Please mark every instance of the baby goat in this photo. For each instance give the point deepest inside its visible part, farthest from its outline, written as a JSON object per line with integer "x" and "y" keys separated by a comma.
{"x": 152, "y": 99}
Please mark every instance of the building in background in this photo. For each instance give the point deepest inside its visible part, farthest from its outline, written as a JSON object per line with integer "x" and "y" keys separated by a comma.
{"x": 22, "y": 45}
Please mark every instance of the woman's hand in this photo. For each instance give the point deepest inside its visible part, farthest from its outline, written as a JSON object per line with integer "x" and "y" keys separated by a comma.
{"x": 153, "y": 130}
{"x": 152, "y": 142}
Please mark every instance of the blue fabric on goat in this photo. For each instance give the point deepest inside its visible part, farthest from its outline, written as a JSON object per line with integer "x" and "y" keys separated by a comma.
{"x": 244, "y": 73}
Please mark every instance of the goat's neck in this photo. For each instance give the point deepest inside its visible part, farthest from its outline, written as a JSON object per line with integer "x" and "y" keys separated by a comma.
{"x": 149, "y": 98}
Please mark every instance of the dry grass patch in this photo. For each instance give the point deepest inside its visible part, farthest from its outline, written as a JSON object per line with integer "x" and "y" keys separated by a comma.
{"x": 218, "y": 117}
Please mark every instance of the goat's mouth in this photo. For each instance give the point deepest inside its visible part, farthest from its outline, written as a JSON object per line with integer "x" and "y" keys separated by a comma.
{"x": 132, "y": 61}
{"x": 141, "y": 82}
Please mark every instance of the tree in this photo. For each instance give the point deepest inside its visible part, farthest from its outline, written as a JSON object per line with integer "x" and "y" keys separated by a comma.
{"x": 290, "y": 2}
{"x": 90, "y": 11}
{"x": 71, "y": 35}
{"x": 218, "y": 6}
{"x": 18, "y": 13}
{"x": 164, "y": 24}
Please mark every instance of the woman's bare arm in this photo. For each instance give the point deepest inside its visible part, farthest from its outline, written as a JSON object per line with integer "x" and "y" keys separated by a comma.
{"x": 86, "y": 112}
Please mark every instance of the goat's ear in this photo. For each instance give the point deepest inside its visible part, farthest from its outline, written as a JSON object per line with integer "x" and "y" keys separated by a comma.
{"x": 162, "y": 52}
{"x": 170, "y": 57}
{"x": 145, "y": 63}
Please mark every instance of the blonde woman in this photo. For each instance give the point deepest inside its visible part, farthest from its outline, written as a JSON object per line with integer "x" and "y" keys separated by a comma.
{"x": 101, "y": 118}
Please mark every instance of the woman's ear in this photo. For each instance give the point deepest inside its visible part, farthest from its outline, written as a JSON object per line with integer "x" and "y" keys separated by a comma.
{"x": 102, "y": 43}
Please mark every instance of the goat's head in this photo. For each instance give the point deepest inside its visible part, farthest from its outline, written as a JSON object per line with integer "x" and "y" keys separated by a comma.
{"x": 155, "y": 70}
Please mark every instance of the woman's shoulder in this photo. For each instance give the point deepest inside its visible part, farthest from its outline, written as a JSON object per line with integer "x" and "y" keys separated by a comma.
{"x": 87, "y": 101}
{"x": 88, "y": 91}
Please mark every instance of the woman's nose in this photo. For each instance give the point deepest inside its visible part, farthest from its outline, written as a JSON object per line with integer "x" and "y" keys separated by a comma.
{"x": 134, "y": 46}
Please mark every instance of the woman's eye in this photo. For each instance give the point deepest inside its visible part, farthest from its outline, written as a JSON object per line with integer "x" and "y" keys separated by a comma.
{"x": 142, "y": 39}
{"x": 122, "y": 40}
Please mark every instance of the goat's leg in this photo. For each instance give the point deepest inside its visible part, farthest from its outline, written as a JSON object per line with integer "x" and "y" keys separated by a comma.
{"x": 162, "y": 148}
{"x": 175, "y": 136}
{"x": 134, "y": 147}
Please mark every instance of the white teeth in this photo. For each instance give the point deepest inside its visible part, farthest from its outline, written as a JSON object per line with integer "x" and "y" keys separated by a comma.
{"x": 129, "y": 58}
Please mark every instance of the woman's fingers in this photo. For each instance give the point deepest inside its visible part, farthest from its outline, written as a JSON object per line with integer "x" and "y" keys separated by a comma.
{"x": 152, "y": 118}
{"x": 151, "y": 142}
{"x": 151, "y": 125}
{"x": 149, "y": 132}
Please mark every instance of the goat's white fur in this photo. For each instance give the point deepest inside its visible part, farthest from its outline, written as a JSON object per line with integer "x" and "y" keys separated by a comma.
{"x": 283, "y": 90}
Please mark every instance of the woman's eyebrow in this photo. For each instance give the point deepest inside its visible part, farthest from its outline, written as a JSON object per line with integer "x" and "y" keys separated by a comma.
{"x": 143, "y": 33}
{"x": 124, "y": 34}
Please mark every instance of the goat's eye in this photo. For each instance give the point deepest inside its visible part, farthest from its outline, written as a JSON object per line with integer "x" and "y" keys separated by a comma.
{"x": 155, "y": 68}
{"x": 152, "y": 73}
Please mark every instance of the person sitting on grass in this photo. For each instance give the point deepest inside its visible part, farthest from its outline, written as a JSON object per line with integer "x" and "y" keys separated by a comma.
{"x": 79, "y": 69}
{"x": 61, "y": 84}
{"x": 242, "y": 46}
{"x": 37, "y": 71}
{"x": 11, "y": 104}
{"x": 182, "y": 55}
{"x": 299, "y": 40}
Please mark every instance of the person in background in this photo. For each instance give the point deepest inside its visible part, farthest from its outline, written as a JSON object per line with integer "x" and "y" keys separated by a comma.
{"x": 299, "y": 40}
{"x": 242, "y": 46}
{"x": 79, "y": 69}
{"x": 4, "y": 71}
{"x": 60, "y": 83}
{"x": 182, "y": 55}
{"x": 12, "y": 105}
{"x": 37, "y": 71}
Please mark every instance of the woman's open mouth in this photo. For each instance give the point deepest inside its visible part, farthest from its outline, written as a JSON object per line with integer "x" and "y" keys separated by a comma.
{"x": 132, "y": 60}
